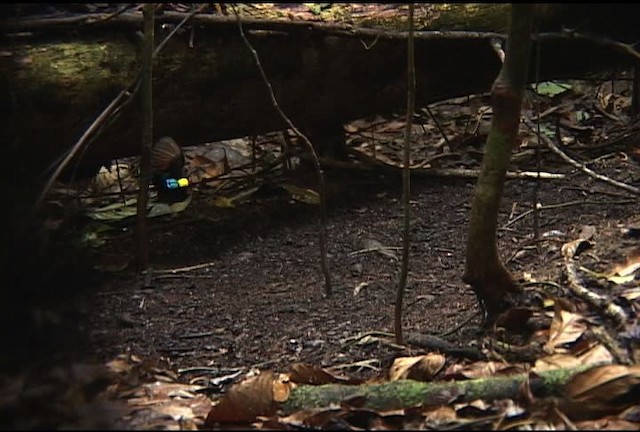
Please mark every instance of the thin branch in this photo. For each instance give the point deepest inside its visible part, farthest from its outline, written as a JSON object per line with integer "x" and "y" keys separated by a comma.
{"x": 113, "y": 15}
{"x": 142, "y": 233}
{"x": 567, "y": 204}
{"x": 406, "y": 179}
{"x": 108, "y": 111}
{"x": 602, "y": 303}
{"x": 582, "y": 167}
{"x": 598, "y": 40}
{"x": 321, "y": 187}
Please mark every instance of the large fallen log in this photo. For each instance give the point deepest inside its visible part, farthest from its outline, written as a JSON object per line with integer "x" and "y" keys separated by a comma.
{"x": 57, "y": 77}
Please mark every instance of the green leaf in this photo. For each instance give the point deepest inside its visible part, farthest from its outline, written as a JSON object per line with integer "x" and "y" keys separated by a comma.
{"x": 307, "y": 196}
{"x": 114, "y": 212}
{"x": 547, "y": 131}
{"x": 582, "y": 116}
{"x": 550, "y": 88}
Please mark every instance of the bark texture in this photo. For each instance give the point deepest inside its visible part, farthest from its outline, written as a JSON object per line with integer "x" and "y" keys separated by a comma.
{"x": 484, "y": 271}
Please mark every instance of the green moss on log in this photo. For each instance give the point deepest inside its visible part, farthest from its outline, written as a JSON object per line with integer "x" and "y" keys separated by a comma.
{"x": 471, "y": 17}
{"x": 82, "y": 67}
{"x": 408, "y": 393}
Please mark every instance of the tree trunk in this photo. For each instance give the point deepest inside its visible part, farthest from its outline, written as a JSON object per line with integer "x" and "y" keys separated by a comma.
{"x": 485, "y": 272}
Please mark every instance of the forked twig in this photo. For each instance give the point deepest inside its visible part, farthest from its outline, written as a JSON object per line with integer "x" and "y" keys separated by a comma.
{"x": 316, "y": 162}
{"x": 549, "y": 143}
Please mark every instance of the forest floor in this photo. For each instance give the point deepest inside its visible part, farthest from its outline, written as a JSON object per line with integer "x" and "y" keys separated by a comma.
{"x": 244, "y": 289}
{"x": 260, "y": 298}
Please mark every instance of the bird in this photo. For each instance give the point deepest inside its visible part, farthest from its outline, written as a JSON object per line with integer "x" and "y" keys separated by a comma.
{"x": 167, "y": 167}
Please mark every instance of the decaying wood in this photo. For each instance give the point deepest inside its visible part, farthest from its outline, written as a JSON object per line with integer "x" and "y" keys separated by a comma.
{"x": 407, "y": 393}
{"x": 53, "y": 83}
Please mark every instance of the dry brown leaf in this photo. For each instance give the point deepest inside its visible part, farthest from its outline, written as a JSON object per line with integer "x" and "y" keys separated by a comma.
{"x": 596, "y": 355}
{"x": 475, "y": 408}
{"x": 419, "y": 368}
{"x": 159, "y": 392}
{"x": 602, "y": 390}
{"x": 176, "y": 412}
{"x": 556, "y": 361}
{"x": 303, "y": 373}
{"x": 607, "y": 423}
{"x": 623, "y": 273}
{"x": 205, "y": 168}
{"x": 481, "y": 369}
{"x": 392, "y": 126}
{"x": 245, "y": 401}
{"x": 566, "y": 327}
{"x": 311, "y": 418}
{"x": 442, "y": 414}
{"x": 590, "y": 384}
{"x": 587, "y": 232}
{"x": 200, "y": 161}
{"x": 369, "y": 419}
{"x": 282, "y": 387}
{"x": 574, "y": 248}
{"x": 120, "y": 365}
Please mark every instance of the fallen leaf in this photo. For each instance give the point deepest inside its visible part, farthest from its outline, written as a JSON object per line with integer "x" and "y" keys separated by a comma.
{"x": 245, "y": 401}
{"x": 419, "y": 368}
{"x": 359, "y": 288}
{"x": 566, "y": 327}
{"x": 602, "y": 390}
{"x": 307, "y": 196}
{"x": 302, "y": 373}
{"x": 574, "y": 248}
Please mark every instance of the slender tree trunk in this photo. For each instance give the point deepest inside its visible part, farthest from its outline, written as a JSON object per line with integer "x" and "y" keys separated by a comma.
{"x": 147, "y": 137}
{"x": 406, "y": 178}
{"x": 484, "y": 271}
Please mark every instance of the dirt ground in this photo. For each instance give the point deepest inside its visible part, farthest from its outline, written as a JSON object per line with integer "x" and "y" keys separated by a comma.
{"x": 259, "y": 301}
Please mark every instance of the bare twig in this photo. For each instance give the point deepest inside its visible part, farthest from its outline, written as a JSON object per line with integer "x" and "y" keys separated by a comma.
{"x": 108, "y": 111}
{"x": 611, "y": 343}
{"x": 602, "y": 303}
{"x": 185, "y": 269}
{"x": 567, "y": 204}
{"x": 369, "y": 364}
{"x": 111, "y": 16}
{"x": 321, "y": 188}
{"x": 538, "y": 150}
{"x": 599, "y": 40}
{"x": 634, "y": 190}
{"x": 460, "y": 325}
{"x": 142, "y": 234}
{"x": 438, "y": 125}
{"x": 406, "y": 179}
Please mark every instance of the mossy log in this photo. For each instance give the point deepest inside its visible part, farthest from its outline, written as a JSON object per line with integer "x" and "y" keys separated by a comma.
{"x": 56, "y": 79}
{"x": 408, "y": 393}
